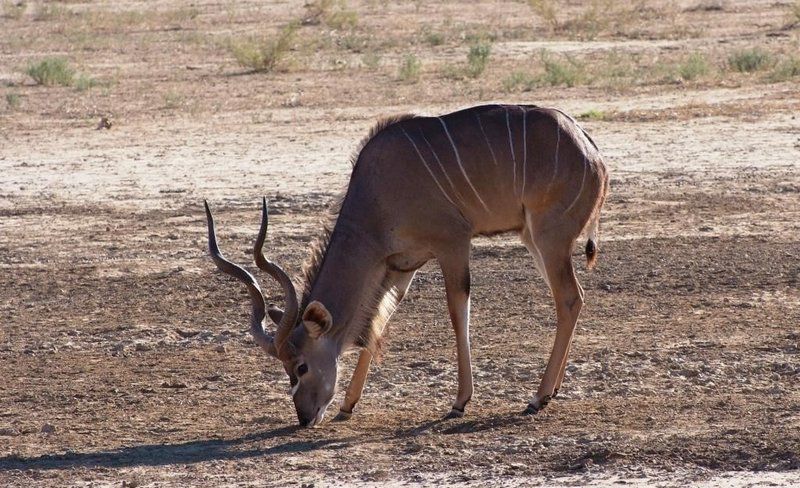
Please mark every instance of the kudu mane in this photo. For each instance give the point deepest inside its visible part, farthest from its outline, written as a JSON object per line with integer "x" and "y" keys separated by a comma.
{"x": 384, "y": 300}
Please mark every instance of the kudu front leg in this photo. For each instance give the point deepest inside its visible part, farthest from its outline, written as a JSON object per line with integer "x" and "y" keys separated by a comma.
{"x": 356, "y": 386}
{"x": 457, "y": 283}
{"x": 399, "y": 281}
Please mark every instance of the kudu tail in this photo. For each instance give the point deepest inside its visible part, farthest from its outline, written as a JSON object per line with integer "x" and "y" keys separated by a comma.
{"x": 591, "y": 243}
{"x": 594, "y": 227}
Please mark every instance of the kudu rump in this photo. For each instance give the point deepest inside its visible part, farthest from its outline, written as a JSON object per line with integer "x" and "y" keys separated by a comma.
{"x": 421, "y": 189}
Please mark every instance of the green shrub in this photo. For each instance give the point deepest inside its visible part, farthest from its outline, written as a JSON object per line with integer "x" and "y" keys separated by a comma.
{"x": 477, "y": 58}
{"x": 173, "y": 100}
{"x": 51, "y": 71}
{"x": 431, "y": 37}
{"x": 794, "y": 13}
{"x": 786, "y": 70}
{"x": 371, "y": 60}
{"x": 519, "y": 81}
{"x": 749, "y": 60}
{"x": 84, "y": 82}
{"x": 263, "y": 55}
{"x": 557, "y": 72}
{"x": 546, "y": 9}
{"x": 409, "y": 69}
{"x": 592, "y": 115}
{"x": 13, "y": 100}
{"x": 693, "y": 67}
{"x": 342, "y": 19}
{"x": 335, "y": 15}
{"x": 13, "y": 9}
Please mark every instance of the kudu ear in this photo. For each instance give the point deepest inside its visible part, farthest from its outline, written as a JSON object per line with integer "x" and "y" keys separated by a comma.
{"x": 317, "y": 320}
{"x": 275, "y": 313}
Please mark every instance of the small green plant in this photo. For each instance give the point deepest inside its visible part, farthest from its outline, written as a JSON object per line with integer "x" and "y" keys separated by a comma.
{"x": 794, "y": 13}
{"x": 173, "y": 100}
{"x": 477, "y": 58}
{"x": 519, "y": 81}
{"x": 13, "y": 101}
{"x": 615, "y": 70}
{"x": 693, "y": 67}
{"x": 52, "y": 12}
{"x": 335, "y": 15}
{"x": 263, "y": 55}
{"x": 84, "y": 82}
{"x": 51, "y": 71}
{"x": 353, "y": 42}
{"x": 786, "y": 70}
{"x": 409, "y": 69}
{"x": 569, "y": 72}
{"x": 749, "y": 60}
{"x": 371, "y": 60}
{"x": 342, "y": 19}
{"x": 592, "y": 115}
{"x": 546, "y": 9}
{"x": 431, "y": 37}
{"x": 13, "y": 9}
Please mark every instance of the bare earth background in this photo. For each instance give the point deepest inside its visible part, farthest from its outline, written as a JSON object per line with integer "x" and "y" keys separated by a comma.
{"x": 124, "y": 356}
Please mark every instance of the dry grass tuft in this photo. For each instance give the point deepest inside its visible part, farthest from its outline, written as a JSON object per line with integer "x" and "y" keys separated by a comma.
{"x": 263, "y": 55}
{"x": 749, "y": 60}
{"x": 14, "y": 9}
{"x": 409, "y": 69}
{"x": 334, "y": 14}
{"x": 794, "y": 13}
{"x": 604, "y": 17}
{"x": 51, "y": 72}
{"x": 693, "y": 67}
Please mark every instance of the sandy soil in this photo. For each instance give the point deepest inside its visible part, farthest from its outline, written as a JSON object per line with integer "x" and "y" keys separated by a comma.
{"x": 125, "y": 358}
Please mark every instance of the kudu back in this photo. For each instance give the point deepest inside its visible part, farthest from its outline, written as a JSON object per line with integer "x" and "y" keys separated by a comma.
{"x": 421, "y": 188}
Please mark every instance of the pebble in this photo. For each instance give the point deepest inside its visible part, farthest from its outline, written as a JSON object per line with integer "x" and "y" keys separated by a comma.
{"x": 48, "y": 429}
{"x": 9, "y": 432}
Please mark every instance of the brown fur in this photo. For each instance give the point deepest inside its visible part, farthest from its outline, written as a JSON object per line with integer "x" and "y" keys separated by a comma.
{"x": 367, "y": 336}
{"x": 376, "y": 129}
{"x": 591, "y": 245}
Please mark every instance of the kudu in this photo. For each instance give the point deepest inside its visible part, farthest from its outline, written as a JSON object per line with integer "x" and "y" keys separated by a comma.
{"x": 421, "y": 188}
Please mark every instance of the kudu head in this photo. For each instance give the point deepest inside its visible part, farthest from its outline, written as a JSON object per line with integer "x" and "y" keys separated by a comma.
{"x": 302, "y": 344}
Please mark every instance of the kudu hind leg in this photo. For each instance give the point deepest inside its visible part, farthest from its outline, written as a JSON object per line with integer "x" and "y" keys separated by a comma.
{"x": 457, "y": 282}
{"x": 555, "y": 265}
{"x": 566, "y": 355}
{"x": 568, "y": 300}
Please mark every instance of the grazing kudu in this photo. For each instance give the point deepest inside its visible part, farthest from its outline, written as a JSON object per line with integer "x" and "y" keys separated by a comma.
{"x": 421, "y": 188}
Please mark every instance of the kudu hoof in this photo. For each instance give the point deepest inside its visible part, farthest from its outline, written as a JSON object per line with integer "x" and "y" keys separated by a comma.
{"x": 534, "y": 407}
{"x": 455, "y": 413}
{"x": 342, "y": 416}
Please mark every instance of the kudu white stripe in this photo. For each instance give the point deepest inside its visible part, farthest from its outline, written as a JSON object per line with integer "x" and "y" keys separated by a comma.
{"x": 425, "y": 163}
{"x": 461, "y": 166}
{"x": 555, "y": 158}
{"x": 485, "y": 138}
{"x": 524, "y": 146}
{"x": 441, "y": 168}
{"x": 583, "y": 179}
{"x": 511, "y": 145}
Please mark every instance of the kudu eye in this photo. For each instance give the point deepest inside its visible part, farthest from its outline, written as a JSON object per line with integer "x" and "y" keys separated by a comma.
{"x": 302, "y": 369}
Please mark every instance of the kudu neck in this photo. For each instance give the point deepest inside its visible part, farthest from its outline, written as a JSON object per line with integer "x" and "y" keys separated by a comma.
{"x": 349, "y": 276}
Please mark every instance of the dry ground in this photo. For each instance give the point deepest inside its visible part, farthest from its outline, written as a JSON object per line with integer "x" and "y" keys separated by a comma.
{"x": 125, "y": 359}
